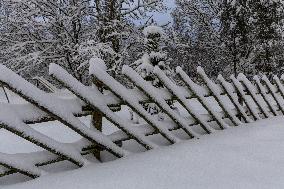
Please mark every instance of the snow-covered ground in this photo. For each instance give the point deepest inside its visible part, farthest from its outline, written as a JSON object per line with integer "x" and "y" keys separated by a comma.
{"x": 248, "y": 156}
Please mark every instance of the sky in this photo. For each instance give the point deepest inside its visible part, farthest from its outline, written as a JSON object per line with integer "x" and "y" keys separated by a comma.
{"x": 163, "y": 18}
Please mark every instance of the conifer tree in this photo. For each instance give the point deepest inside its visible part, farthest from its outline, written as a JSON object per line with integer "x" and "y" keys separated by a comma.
{"x": 251, "y": 31}
{"x": 154, "y": 55}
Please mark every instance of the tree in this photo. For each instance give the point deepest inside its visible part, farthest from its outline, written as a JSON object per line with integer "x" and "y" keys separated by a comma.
{"x": 229, "y": 36}
{"x": 197, "y": 30}
{"x": 40, "y": 32}
{"x": 251, "y": 31}
{"x": 268, "y": 23}
{"x": 68, "y": 32}
{"x": 154, "y": 55}
{"x": 114, "y": 24}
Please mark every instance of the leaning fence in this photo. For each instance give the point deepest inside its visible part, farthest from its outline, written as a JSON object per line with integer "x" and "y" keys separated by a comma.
{"x": 224, "y": 104}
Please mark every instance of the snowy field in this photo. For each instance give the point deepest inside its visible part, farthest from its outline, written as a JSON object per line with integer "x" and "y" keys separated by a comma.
{"x": 133, "y": 69}
{"x": 248, "y": 156}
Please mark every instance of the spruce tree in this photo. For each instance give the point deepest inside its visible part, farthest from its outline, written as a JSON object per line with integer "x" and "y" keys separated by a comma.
{"x": 251, "y": 31}
{"x": 154, "y": 55}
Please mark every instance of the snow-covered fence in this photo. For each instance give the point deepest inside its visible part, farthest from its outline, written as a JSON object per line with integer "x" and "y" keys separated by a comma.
{"x": 209, "y": 107}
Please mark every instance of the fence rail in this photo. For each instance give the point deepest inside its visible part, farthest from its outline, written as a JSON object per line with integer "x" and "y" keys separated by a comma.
{"x": 211, "y": 107}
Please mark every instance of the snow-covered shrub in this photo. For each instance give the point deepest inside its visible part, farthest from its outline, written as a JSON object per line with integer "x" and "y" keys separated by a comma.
{"x": 154, "y": 55}
{"x": 93, "y": 49}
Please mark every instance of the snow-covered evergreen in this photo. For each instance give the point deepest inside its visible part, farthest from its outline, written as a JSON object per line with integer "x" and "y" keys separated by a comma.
{"x": 154, "y": 55}
{"x": 252, "y": 32}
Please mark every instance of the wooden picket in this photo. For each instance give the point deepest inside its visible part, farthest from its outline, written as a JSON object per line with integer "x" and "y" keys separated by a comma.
{"x": 216, "y": 94}
{"x": 253, "y": 93}
{"x": 202, "y": 99}
{"x": 241, "y": 90}
{"x": 234, "y": 98}
{"x": 182, "y": 100}
{"x": 264, "y": 98}
{"x": 273, "y": 91}
{"x": 151, "y": 92}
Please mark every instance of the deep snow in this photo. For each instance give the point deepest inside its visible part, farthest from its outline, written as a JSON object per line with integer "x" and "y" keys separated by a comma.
{"x": 248, "y": 156}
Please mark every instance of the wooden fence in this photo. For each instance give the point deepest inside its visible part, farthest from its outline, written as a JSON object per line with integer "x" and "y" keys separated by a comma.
{"x": 226, "y": 104}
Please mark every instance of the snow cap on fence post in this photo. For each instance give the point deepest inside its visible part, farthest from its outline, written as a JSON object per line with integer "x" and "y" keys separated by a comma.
{"x": 274, "y": 77}
{"x": 96, "y": 62}
{"x": 156, "y": 70}
{"x": 220, "y": 77}
{"x": 256, "y": 78}
{"x": 241, "y": 76}
{"x": 178, "y": 69}
{"x": 200, "y": 70}
{"x": 282, "y": 77}
{"x": 52, "y": 67}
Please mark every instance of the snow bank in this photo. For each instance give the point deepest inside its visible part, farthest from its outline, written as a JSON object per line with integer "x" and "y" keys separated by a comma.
{"x": 241, "y": 157}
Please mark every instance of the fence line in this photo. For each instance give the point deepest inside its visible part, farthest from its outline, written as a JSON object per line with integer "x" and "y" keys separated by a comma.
{"x": 210, "y": 107}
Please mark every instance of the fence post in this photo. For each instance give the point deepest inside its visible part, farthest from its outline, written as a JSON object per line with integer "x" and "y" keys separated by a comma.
{"x": 97, "y": 119}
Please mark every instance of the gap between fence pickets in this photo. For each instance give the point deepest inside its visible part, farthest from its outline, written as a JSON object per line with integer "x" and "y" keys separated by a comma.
{"x": 94, "y": 98}
{"x": 151, "y": 92}
{"x": 193, "y": 87}
{"x": 10, "y": 122}
{"x": 239, "y": 87}
{"x": 264, "y": 95}
{"x": 216, "y": 94}
{"x": 229, "y": 88}
{"x": 251, "y": 89}
{"x": 53, "y": 106}
{"x": 122, "y": 92}
{"x": 181, "y": 99}
{"x": 31, "y": 114}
